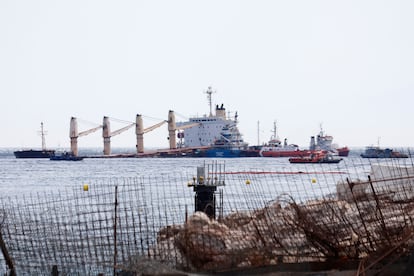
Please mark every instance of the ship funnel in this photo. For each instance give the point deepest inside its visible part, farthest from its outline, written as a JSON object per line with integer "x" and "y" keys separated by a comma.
{"x": 220, "y": 111}
{"x": 312, "y": 143}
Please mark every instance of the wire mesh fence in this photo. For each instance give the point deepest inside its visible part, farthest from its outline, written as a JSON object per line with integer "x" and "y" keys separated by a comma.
{"x": 311, "y": 213}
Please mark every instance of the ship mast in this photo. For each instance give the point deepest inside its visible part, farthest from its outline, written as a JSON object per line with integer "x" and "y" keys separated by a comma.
{"x": 209, "y": 92}
{"x": 321, "y": 130}
{"x": 274, "y": 131}
{"x": 42, "y": 134}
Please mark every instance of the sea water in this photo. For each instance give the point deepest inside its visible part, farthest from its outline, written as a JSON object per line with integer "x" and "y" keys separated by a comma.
{"x": 28, "y": 177}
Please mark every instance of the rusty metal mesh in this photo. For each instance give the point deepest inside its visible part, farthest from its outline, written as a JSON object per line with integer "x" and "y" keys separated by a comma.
{"x": 313, "y": 214}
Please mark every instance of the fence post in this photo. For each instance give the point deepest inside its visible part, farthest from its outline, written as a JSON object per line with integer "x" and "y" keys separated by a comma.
{"x": 115, "y": 222}
{"x": 55, "y": 271}
{"x": 351, "y": 187}
{"x": 384, "y": 228}
{"x": 6, "y": 255}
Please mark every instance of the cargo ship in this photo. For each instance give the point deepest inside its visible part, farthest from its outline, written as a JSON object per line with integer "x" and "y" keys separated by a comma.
{"x": 217, "y": 134}
{"x": 33, "y": 153}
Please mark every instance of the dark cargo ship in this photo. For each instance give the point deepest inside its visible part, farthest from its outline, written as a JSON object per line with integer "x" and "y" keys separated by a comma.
{"x": 43, "y": 153}
{"x": 34, "y": 153}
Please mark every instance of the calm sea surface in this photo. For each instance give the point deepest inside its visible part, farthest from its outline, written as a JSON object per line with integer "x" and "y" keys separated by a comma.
{"x": 25, "y": 176}
{"x": 20, "y": 177}
{"x": 28, "y": 177}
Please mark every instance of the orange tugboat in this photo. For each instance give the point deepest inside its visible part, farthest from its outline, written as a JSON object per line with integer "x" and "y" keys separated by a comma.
{"x": 316, "y": 157}
{"x": 274, "y": 148}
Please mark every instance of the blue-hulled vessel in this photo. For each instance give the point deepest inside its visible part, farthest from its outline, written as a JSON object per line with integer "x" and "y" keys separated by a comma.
{"x": 65, "y": 156}
{"x": 377, "y": 152}
{"x": 216, "y": 133}
{"x": 229, "y": 144}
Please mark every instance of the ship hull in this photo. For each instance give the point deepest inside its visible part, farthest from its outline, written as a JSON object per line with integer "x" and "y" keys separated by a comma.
{"x": 298, "y": 153}
{"x": 376, "y": 152}
{"x": 34, "y": 153}
{"x": 224, "y": 153}
{"x": 343, "y": 151}
{"x": 313, "y": 161}
{"x": 66, "y": 158}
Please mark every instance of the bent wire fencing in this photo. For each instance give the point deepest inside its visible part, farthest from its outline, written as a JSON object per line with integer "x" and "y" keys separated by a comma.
{"x": 314, "y": 214}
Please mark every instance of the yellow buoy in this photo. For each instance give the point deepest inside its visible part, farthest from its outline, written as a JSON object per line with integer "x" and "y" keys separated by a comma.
{"x": 313, "y": 180}
{"x": 85, "y": 187}
{"x": 247, "y": 182}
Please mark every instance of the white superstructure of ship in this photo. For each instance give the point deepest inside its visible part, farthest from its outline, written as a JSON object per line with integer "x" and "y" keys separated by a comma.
{"x": 205, "y": 130}
{"x": 324, "y": 142}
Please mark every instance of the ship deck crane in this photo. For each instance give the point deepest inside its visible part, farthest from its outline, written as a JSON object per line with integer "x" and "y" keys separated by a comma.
{"x": 107, "y": 134}
{"x": 89, "y": 131}
{"x": 151, "y": 128}
{"x": 182, "y": 127}
{"x": 119, "y": 131}
{"x": 140, "y": 131}
{"x": 74, "y": 134}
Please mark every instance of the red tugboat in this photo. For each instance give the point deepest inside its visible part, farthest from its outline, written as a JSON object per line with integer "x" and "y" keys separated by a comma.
{"x": 316, "y": 157}
{"x": 274, "y": 148}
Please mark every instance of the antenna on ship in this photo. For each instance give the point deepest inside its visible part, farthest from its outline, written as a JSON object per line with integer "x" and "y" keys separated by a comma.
{"x": 209, "y": 92}
{"x": 274, "y": 130}
{"x": 321, "y": 129}
{"x": 42, "y": 134}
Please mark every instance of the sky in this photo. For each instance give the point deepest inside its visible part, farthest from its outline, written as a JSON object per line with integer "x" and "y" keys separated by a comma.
{"x": 347, "y": 66}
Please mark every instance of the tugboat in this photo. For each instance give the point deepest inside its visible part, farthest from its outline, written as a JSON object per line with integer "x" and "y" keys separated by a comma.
{"x": 377, "y": 152}
{"x": 324, "y": 142}
{"x": 275, "y": 148}
{"x": 65, "y": 156}
{"x": 316, "y": 157}
{"x": 43, "y": 153}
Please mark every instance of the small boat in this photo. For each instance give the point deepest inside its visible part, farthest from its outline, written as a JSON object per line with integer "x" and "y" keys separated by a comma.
{"x": 316, "y": 157}
{"x": 42, "y": 153}
{"x": 377, "y": 152}
{"x": 343, "y": 151}
{"x": 65, "y": 156}
{"x": 274, "y": 148}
